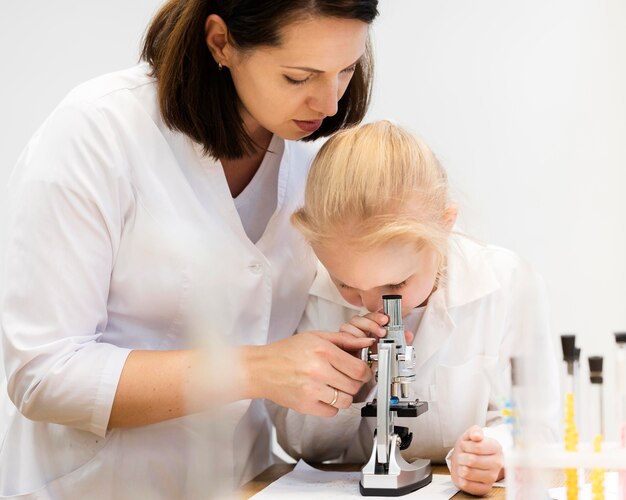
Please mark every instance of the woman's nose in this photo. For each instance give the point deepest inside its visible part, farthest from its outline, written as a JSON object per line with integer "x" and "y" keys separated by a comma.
{"x": 326, "y": 99}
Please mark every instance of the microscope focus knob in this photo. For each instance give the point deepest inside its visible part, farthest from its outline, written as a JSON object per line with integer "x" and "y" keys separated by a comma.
{"x": 404, "y": 436}
{"x": 408, "y": 356}
{"x": 367, "y": 356}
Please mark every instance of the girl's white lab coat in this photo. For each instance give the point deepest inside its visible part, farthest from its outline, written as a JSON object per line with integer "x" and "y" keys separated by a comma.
{"x": 124, "y": 236}
{"x": 491, "y": 307}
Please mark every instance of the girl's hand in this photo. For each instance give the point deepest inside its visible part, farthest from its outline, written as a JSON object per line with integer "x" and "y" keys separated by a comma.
{"x": 303, "y": 372}
{"x": 477, "y": 462}
{"x": 370, "y": 325}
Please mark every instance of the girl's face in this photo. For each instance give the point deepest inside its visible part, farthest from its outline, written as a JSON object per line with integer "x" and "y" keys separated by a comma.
{"x": 288, "y": 90}
{"x": 364, "y": 276}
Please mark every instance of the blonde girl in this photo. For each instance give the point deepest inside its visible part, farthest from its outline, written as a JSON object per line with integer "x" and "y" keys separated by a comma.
{"x": 377, "y": 214}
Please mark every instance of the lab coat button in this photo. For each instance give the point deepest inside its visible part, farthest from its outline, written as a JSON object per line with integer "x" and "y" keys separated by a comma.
{"x": 256, "y": 268}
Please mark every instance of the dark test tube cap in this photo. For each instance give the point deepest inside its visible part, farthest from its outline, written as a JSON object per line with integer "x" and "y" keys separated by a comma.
{"x": 568, "y": 343}
{"x": 595, "y": 369}
{"x": 576, "y": 353}
{"x": 620, "y": 337}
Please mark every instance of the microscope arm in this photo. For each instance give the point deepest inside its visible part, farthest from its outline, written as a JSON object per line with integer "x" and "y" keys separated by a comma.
{"x": 384, "y": 426}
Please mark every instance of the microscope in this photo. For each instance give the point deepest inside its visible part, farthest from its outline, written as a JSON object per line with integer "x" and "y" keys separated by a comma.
{"x": 387, "y": 473}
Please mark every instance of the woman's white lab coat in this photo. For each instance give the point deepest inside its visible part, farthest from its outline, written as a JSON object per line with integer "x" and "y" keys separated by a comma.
{"x": 491, "y": 306}
{"x": 123, "y": 236}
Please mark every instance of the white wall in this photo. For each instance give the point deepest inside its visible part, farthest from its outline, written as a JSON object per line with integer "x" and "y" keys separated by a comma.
{"x": 47, "y": 48}
{"x": 524, "y": 102}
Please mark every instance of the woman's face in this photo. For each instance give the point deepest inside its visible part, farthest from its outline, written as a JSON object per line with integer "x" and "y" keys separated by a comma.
{"x": 288, "y": 90}
{"x": 364, "y": 276}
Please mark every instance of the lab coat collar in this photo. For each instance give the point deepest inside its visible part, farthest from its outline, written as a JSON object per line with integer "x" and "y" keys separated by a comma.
{"x": 469, "y": 276}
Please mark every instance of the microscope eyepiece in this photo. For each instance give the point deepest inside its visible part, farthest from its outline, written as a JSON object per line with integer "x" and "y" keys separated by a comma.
{"x": 392, "y": 307}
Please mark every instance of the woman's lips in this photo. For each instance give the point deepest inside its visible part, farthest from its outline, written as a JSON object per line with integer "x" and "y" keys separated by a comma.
{"x": 308, "y": 125}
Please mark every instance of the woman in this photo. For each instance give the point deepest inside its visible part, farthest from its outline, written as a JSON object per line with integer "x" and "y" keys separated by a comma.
{"x": 153, "y": 203}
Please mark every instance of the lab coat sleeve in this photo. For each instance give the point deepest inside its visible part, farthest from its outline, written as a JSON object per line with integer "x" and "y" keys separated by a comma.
{"x": 315, "y": 439}
{"x": 527, "y": 333}
{"x": 68, "y": 202}
{"x": 318, "y": 438}
{"x": 530, "y": 336}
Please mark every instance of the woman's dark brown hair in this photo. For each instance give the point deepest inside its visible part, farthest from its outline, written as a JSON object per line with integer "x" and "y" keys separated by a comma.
{"x": 200, "y": 101}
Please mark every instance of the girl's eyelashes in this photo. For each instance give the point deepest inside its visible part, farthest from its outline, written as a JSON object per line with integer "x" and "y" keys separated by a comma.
{"x": 295, "y": 81}
{"x": 397, "y": 286}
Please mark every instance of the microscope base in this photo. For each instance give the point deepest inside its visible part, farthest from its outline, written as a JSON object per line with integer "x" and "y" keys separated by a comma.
{"x": 386, "y": 492}
{"x": 397, "y": 478}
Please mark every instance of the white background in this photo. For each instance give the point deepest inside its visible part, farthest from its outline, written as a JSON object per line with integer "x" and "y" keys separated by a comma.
{"x": 524, "y": 103}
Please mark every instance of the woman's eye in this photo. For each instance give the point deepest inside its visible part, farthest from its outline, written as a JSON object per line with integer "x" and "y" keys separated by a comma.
{"x": 398, "y": 285}
{"x": 293, "y": 81}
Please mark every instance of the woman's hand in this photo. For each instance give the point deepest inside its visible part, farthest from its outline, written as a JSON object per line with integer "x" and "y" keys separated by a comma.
{"x": 303, "y": 372}
{"x": 370, "y": 325}
{"x": 476, "y": 462}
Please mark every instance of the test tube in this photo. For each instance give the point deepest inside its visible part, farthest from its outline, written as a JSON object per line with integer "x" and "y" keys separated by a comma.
{"x": 597, "y": 422}
{"x": 596, "y": 397}
{"x": 620, "y": 369}
{"x": 620, "y": 401}
{"x": 568, "y": 343}
{"x": 515, "y": 401}
{"x": 578, "y": 408}
{"x": 517, "y": 480}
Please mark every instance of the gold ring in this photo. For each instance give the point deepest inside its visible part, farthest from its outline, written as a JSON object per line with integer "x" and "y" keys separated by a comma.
{"x": 332, "y": 403}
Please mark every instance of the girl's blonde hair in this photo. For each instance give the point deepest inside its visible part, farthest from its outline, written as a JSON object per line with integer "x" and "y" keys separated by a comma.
{"x": 375, "y": 184}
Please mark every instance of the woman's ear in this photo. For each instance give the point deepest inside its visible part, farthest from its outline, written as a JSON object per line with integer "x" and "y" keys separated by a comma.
{"x": 216, "y": 37}
{"x": 449, "y": 216}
